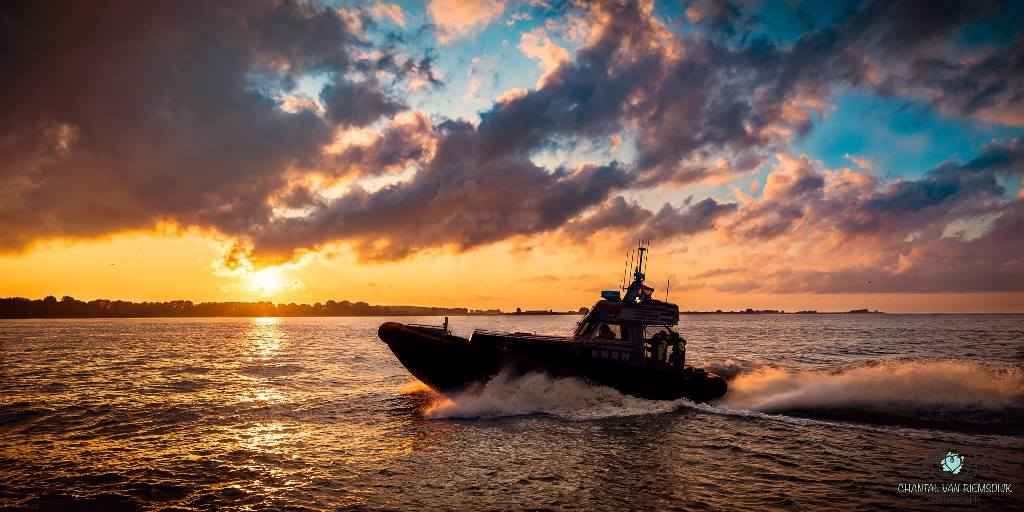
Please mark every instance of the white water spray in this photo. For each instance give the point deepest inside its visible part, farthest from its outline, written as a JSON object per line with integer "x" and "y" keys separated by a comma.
{"x": 890, "y": 387}
{"x": 537, "y": 393}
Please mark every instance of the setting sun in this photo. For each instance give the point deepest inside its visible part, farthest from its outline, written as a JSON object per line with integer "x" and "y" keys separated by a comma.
{"x": 267, "y": 282}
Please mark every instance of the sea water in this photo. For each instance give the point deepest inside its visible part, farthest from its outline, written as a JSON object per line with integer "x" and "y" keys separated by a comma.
{"x": 824, "y": 412}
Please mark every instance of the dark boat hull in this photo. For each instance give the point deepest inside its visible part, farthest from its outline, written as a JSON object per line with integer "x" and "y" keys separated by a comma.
{"x": 450, "y": 363}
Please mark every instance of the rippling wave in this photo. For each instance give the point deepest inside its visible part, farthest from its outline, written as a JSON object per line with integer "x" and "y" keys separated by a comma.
{"x": 314, "y": 414}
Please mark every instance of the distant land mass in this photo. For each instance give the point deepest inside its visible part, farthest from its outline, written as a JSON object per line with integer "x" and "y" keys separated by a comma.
{"x": 69, "y": 307}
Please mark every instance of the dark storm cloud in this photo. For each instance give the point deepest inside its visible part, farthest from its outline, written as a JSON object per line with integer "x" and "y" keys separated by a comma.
{"x": 615, "y": 213}
{"x": 352, "y": 104}
{"x": 668, "y": 224}
{"x": 120, "y": 114}
{"x": 671, "y": 222}
{"x": 298, "y": 197}
{"x": 405, "y": 142}
{"x": 463, "y": 197}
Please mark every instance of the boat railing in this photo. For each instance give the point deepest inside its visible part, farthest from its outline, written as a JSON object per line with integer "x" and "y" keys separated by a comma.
{"x": 531, "y": 335}
{"x": 521, "y": 335}
{"x": 425, "y": 326}
{"x": 443, "y": 328}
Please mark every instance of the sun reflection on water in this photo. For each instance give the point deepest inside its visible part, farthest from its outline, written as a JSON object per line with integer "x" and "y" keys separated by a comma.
{"x": 268, "y": 436}
{"x": 266, "y": 336}
{"x": 264, "y": 340}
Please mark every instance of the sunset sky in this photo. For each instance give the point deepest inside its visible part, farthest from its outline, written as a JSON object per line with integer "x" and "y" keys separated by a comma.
{"x": 778, "y": 154}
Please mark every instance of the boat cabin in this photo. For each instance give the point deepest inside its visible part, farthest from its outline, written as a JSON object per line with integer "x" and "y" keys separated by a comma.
{"x": 635, "y": 321}
{"x": 617, "y": 321}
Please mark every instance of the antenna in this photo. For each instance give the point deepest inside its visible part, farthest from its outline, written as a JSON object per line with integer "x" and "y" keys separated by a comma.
{"x": 629, "y": 264}
{"x": 623, "y": 276}
{"x": 641, "y": 249}
{"x": 637, "y": 268}
{"x": 646, "y": 245}
{"x": 646, "y": 260}
{"x": 625, "y": 271}
{"x": 668, "y": 282}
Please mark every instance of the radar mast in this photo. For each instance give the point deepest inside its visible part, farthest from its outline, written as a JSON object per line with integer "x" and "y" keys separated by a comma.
{"x": 633, "y": 291}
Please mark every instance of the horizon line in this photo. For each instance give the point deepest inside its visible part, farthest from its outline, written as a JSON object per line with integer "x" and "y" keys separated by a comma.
{"x": 441, "y": 310}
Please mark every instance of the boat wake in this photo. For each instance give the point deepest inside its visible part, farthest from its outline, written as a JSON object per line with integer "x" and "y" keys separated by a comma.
{"x": 567, "y": 398}
{"x": 942, "y": 394}
{"x": 939, "y": 394}
{"x": 893, "y": 386}
{"x": 537, "y": 393}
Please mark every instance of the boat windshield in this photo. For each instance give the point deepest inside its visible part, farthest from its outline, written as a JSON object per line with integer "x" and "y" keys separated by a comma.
{"x": 609, "y": 332}
{"x": 603, "y": 331}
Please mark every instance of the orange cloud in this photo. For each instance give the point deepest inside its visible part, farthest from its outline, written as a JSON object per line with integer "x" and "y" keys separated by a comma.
{"x": 393, "y": 12}
{"x": 511, "y": 94}
{"x": 844, "y": 231}
{"x": 536, "y": 44}
{"x": 456, "y": 19}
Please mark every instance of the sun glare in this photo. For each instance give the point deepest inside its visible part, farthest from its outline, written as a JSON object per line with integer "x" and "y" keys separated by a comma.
{"x": 267, "y": 282}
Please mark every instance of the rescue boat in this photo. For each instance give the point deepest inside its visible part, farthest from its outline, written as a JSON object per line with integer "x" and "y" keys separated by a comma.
{"x": 622, "y": 342}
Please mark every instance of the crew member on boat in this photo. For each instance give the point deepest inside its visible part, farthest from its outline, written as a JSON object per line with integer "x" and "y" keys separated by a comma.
{"x": 659, "y": 346}
{"x": 678, "y": 359}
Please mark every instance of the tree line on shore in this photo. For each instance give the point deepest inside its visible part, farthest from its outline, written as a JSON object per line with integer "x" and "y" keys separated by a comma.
{"x": 69, "y": 307}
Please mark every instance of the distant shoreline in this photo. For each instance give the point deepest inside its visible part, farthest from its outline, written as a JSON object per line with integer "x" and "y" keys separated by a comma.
{"x": 69, "y": 307}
